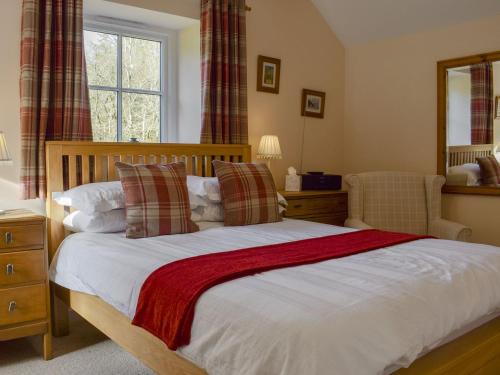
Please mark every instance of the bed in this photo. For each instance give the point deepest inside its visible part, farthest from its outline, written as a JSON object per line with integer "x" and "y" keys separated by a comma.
{"x": 475, "y": 350}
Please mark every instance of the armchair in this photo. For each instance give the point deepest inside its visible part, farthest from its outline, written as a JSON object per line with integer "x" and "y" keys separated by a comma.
{"x": 400, "y": 202}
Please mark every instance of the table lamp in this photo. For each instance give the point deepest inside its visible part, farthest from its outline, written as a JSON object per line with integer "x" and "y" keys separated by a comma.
{"x": 269, "y": 148}
{"x": 4, "y": 152}
{"x": 4, "y": 156}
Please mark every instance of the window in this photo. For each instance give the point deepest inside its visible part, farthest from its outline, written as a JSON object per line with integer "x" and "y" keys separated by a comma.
{"x": 127, "y": 83}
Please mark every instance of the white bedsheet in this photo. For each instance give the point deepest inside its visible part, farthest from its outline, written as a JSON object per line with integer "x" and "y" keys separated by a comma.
{"x": 361, "y": 314}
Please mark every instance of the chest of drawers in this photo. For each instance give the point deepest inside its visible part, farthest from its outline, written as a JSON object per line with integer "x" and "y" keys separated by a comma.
{"x": 322, "y": 206}
{"x": 24, "y": 286}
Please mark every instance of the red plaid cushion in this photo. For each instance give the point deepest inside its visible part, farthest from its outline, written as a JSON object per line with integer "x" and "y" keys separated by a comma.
{"x": 490, "y": 170}
{"x": 248, "y": 193}
{"x": 156, "y": 199}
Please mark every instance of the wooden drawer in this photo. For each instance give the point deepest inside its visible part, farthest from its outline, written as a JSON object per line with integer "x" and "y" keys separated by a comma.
{"x": 26, "y": 303}
{"x": 22, "y": 267}
{"x": 316, "y": 206}
{"x": 29, "y": 236}
{"x": 338, "y": 219}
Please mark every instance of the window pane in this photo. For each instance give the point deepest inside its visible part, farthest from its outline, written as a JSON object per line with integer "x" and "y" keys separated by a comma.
{"x": 141, "y": 64}
{"x": 103, "y": 108}
{"x": 141, "y": 117}
{"x": 101, "y": 51}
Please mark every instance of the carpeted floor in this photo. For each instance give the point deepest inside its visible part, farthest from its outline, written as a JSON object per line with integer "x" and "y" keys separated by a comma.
{"x": 84, "y": 351}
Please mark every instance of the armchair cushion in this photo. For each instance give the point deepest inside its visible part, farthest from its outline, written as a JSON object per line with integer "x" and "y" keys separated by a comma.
{"x": 395, "y": 202}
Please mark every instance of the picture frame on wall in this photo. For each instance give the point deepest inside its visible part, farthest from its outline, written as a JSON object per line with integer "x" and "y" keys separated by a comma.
{"x": 497, "y": 107}
{"x": 268, "y": 74}
{"x": 313, "y": 103}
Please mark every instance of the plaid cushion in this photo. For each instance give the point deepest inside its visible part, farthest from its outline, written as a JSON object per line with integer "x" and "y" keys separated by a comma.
{"x": 248, "y": 193}
{"x": 156, "y": 199}
{"x": 490, "y": 170}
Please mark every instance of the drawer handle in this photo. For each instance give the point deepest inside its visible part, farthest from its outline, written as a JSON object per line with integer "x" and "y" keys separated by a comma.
{"x": 9, "y": 238}
{"x": 297, "y": 206}
{"x": 12, "y": 306}
{"x": 9, "y": 269}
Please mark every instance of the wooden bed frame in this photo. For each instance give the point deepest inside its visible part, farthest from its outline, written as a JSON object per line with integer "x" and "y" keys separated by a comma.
{"x": 73, "y": 163}
{"x": 458, "y": 155}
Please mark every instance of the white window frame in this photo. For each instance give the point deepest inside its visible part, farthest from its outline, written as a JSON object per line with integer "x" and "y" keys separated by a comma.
{"x": 168, "y": 71}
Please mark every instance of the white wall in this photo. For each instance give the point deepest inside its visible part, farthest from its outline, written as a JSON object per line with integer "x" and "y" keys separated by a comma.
{"x": 459, "y": 101}
{"x": 189, "y": 85}
{"x": 185, "y": 8}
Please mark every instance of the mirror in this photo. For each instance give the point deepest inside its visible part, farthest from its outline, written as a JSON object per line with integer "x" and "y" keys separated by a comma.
{"x": 469, "y": 124}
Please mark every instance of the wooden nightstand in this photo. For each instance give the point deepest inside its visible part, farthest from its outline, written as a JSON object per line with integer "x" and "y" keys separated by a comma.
{"x": 24, "y": 284}
{"x": 322, "y": 206}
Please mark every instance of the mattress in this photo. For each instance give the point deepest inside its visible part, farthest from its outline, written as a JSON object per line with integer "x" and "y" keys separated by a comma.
{"x": 369, "y": 313}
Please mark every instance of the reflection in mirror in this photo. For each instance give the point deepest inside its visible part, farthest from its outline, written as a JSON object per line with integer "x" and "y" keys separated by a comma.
{"x": 473, "y": 125}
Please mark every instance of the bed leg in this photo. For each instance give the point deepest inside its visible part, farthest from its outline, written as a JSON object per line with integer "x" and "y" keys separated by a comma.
{"x": 60, "y": 319}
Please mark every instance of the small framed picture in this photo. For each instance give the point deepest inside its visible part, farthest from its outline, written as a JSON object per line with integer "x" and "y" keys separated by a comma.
{"x": 268, "y": 74}
{"x": 497, "y": 107}
{"x": 313, "y": 103}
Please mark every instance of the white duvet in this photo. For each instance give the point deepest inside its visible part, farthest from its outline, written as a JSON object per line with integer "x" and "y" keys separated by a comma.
{"x": 362, "y": 314}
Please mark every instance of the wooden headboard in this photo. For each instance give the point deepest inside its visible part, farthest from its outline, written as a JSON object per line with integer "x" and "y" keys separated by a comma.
{"x": 70, "y": 164}
{"x": 458, "y": 155}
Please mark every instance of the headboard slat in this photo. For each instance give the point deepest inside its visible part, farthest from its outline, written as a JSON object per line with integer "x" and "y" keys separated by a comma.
{"x": 85, "y": 169}
{"x": 95, "y": 161}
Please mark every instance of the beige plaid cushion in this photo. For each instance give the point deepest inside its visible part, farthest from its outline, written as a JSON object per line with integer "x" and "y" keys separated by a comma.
{"x": 490, "y": 170}
{"x": 156, "y": 199}
{"x": 395, "y": 202}
{"x": 248, "y": 193}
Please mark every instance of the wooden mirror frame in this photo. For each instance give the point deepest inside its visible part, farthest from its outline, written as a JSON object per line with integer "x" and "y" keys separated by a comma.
{"x": 442, "y": 90}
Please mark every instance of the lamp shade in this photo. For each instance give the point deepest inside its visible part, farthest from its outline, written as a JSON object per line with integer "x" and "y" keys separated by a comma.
{"x": 269, "y": 147}
{"x": 4, "y": 152}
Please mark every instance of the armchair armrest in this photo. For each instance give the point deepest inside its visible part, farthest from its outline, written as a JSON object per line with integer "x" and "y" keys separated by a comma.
{"x": 357, "y": 224}
{"x": 449, "y": 230}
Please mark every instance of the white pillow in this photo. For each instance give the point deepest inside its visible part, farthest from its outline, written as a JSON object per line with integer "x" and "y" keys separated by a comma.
{"x": 196, "y": 201}
{"x": 98, "y": 222}
{"x": 204, "y": 187}
{"x": 103, "y": 197}
{"x": 211, "y": 212}
{"x": 95, "y": 197}
{"x": 471, "y": 170}
{"x": 282, "y": 203}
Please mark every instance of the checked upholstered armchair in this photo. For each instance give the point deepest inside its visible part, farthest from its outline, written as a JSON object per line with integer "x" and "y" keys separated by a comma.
{"x": 400, "y": 202}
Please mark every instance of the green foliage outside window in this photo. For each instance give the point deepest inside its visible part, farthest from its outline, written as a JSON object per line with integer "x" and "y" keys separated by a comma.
{"x": 138, "y": 94}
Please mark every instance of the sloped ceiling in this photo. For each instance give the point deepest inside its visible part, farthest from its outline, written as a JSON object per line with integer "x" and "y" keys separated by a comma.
{"x": 362, "y": 21}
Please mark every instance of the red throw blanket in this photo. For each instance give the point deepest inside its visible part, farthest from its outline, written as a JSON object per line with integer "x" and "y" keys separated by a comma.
{"x": 169, "y": 295}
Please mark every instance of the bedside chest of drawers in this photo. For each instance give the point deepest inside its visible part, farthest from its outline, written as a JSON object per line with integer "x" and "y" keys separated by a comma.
{"x": 24, "y": 285}
{"x": 322, "y": 206}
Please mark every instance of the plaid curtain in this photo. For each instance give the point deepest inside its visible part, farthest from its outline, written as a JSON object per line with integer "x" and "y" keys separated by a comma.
{"x": 482, "y": 104}
{"x": 53, "y": 85}
{"x": 224, "y": 72}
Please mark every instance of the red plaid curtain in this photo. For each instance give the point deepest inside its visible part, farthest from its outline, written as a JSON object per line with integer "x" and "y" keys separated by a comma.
{"x": 482, "y": 104}
{"x": 53, "y": 84}
{"x": 224, "y": 72}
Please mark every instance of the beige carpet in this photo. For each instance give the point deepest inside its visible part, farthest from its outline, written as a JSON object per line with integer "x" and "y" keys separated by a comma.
{"x": 84, "y": 351}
